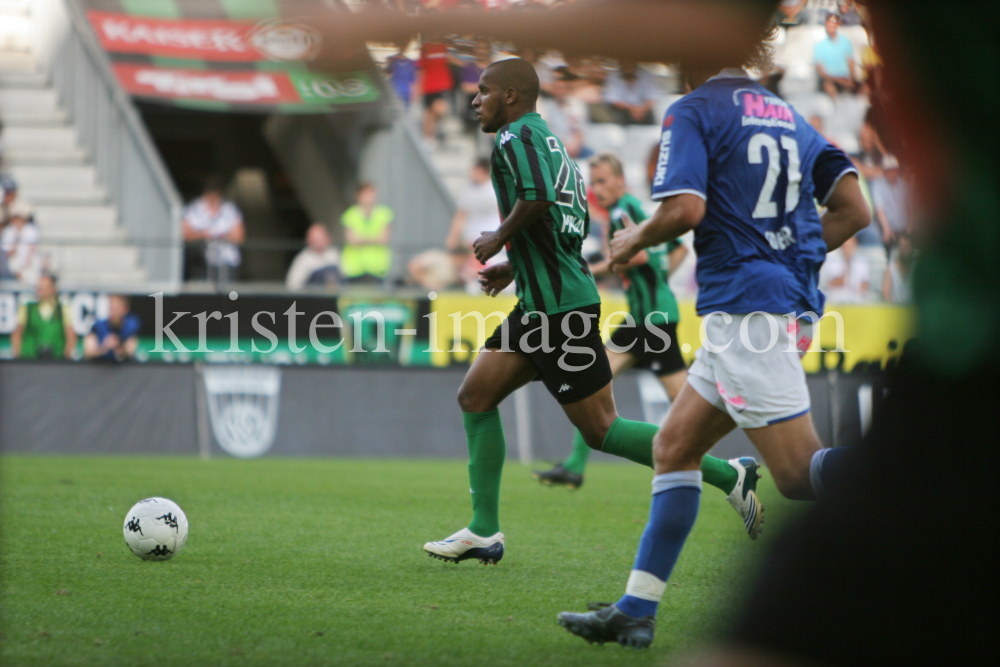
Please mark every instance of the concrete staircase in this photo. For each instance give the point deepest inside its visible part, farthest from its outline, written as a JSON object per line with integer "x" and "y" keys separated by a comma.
{"x": 81, "y": 238}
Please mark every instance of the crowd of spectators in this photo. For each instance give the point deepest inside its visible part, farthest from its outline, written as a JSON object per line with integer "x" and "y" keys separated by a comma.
{"x": 581, "y": 96}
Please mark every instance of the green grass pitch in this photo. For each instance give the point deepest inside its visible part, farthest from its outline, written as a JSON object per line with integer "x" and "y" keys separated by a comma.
{"x": 319, "y": 562}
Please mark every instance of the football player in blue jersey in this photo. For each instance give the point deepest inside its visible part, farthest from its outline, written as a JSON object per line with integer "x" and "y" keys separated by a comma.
{"x": 742, "y": 169}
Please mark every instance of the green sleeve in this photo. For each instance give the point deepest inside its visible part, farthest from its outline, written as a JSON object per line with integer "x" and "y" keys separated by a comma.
{"x": 673, "y": 245}
{"x": 531, "y": 164}
{"x": 636, "y": 212}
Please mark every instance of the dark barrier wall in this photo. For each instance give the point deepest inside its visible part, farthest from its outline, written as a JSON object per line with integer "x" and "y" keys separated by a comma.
{"x": 335, "y": 411}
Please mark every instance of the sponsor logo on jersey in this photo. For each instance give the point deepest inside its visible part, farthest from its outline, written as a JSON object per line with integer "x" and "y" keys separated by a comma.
{"x": 506, "y": 136}
{"x": 764, "y": 110}
{"x": 572, "y": 224}
{"x": 661, "y": 162}
{"x": 780, "y": 239}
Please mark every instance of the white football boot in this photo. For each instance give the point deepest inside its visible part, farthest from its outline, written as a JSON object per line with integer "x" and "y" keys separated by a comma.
{"x": 743, "y": 497}
{"x": 465, "y": 545}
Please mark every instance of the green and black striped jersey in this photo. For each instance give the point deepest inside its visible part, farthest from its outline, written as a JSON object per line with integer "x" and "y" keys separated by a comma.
{"x": 646, "y": 285}
{"x": 531, "y": 164}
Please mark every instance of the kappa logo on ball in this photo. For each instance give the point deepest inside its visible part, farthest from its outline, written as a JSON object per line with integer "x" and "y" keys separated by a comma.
{"x": 243, "y": 407}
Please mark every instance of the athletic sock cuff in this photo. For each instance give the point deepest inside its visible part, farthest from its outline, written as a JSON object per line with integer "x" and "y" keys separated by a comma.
{"x": 816, "y": 472}
{"x": 645, "y": 586}
{"x": 611, "y": 429}
{"x": 676, "y": 480}
{"x": 482, "y": 422}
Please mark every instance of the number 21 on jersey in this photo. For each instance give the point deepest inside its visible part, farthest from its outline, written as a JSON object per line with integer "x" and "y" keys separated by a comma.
{"x": 761, "y": 143}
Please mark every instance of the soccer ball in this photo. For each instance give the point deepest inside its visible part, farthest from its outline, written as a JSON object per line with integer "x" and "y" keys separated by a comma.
{"x": 155, "y": 529}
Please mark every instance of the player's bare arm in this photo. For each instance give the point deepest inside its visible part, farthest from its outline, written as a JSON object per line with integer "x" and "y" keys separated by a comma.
{"x": 846, "y": 212}
{"x": 676, "y": 216}
{"x": 524, "y": 214}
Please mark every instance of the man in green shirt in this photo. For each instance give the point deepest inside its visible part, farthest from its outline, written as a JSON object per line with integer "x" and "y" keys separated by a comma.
{"x": 44, "y": 328}
{"x": 553, "y": 332}
{"x": 648, "y": 339}
{"x": 367, "y": 226}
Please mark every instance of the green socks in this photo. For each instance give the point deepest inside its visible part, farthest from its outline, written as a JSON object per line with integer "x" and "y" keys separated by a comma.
{"x": 631, "y": 440}
{"x": 577, "y": 461}
{"x": 487, "y": 451}
{"x": 719, "y": 474}
{"x": 634, "y": 441}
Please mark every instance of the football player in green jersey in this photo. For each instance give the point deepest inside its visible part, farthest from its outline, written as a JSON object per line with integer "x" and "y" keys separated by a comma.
{"x": 553, "y": 333}
{"x": 649, "y": 339}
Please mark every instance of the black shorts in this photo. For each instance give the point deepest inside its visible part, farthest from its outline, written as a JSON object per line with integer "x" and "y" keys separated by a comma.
{"x": 647, "y": 347}
{"x": 431, "y": 98}
{"x": 572, "y": 365}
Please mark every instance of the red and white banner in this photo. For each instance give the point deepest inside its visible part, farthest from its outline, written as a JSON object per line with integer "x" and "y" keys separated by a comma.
{"x": 204, "y": 39}
{"x": 232, "y": 87}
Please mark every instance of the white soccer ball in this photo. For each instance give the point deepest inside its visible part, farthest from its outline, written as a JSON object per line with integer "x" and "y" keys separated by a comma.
{"x": 155, "y": 529}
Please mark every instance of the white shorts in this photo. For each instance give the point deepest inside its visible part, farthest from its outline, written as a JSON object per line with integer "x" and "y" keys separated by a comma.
{"x": 758, "y": 377}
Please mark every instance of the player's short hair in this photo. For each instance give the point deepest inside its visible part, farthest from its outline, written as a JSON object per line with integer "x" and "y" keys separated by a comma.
{"x": 612, "y": 162}
{"x": 518, "y": 74}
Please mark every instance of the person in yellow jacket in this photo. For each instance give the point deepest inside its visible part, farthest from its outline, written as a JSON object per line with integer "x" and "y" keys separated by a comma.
{"x": 367, "y": 225}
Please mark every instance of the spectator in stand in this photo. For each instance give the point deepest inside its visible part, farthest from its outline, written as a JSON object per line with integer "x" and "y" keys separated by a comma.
{"x": 19, "y": 242}
{"x": 834, "y": 56}
{"x": 890, "y": 196}
{"x": 117, "y": 337}
{"x": 317, "y": 263}
{"x": 630, "y": 92}
{"x": 546, "y": 75}
{"x": 9, "y": 187}
{"x": 469, "y": 75}
{"x": 402, "y": 73}
{"x": 436, "y": 269}
{"x": 215, "y": 222}
{"x": 789, "y": 11}
{"x": 44, "y": 327}
{"x": 847, "y": 274}
{"x": 848, "y": 13}
{"x": 5, "y": 272}
{"x": 566, "y": 116}
{"x": 435, "y": 83}
{"x": 872, "y": 64}
{"x": 476, "y": 213}
{"x": 870, "y": 163}
{"x": 896, "y": 283}
{"x": 367, "y": 228}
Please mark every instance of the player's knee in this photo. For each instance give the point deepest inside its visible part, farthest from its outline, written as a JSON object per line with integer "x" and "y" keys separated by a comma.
{"x": 594, "y": 437}
{"x": 471, "y": 400}
{"x": 669, "y": 450}
{"x": 793, "y": 483}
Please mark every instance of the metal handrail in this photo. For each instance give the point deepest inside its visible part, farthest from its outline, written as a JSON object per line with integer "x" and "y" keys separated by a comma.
{"x": 123, "y": 154}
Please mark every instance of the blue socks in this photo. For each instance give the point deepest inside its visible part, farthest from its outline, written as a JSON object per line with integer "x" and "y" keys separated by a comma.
{"x": 832, "y": 469}
{"x": 671, "y": 516}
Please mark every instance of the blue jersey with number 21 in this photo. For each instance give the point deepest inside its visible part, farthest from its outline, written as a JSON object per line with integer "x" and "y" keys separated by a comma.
{"x": 758, "y": 165}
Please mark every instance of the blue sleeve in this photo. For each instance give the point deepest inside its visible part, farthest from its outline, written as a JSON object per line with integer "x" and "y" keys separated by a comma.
{"x": 100, "y": 329}
{"x": 683, "y": 163}
{"x": 830, "y": 166}
{"x": 131, "y": 326}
